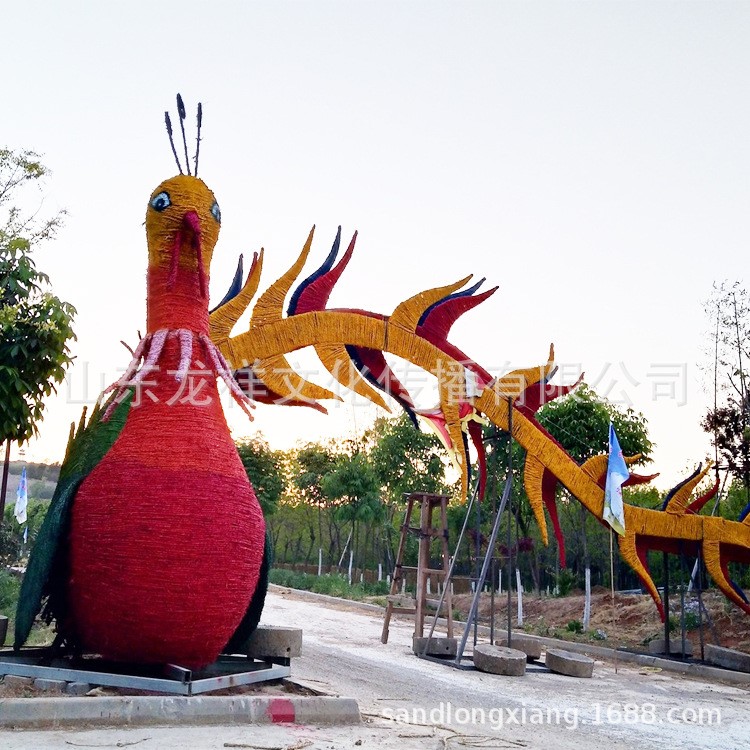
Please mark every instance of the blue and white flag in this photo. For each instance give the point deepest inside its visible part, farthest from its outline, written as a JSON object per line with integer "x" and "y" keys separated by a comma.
{"x": 617, "y": 474}
{"x": 22, "y": 499}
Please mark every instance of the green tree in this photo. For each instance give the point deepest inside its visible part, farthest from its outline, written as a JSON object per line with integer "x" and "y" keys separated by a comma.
{"x": 265, "y": 470}
{"x": 311, "y": 464}
{"x": 36, "y": 325}
{"x": 580, "y": 423}
{"x": 405, "y": 459}
{"x": 354, "y": 486}
{"x": 729, "y": 420}
{"x": 644, "y": 496}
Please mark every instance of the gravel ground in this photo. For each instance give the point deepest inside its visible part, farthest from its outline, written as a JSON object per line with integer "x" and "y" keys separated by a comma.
{"x": 624, "y": 706}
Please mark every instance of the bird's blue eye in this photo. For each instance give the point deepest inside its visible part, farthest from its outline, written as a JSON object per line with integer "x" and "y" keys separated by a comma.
{"x": 160, "y": 201}
{"x": 216, "y": 212}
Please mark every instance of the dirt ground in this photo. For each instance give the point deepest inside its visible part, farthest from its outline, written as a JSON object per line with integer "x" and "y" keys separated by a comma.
{"x": 632, "y": 622}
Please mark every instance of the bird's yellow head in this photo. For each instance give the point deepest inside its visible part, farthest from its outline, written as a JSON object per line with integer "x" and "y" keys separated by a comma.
{"x": 182, "y": 227}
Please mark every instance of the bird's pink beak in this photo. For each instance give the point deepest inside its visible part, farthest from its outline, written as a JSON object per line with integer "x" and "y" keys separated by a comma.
{"x": 189, "y": 234}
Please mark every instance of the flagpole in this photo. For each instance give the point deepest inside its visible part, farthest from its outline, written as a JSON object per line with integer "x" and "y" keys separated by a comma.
{"x": 614, "y": 512}
{"x": 612, "y": 561}
{"x": 612, "y": 582}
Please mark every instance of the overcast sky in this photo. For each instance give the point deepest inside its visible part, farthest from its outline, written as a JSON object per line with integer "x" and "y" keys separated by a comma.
{"x": 591, "y": 158}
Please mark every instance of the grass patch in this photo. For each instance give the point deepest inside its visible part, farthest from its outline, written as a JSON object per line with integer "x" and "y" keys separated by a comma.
{"x": 331, "y": 584}
{"x": 10, "y": 586}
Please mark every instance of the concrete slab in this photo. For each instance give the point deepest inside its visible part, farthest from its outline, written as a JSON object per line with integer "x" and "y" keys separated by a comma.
{"x": 50, "y": 686}
{"x": 438, "y": 646}
{"x": 529, "y": 644}
{"x": 658, "y": 646}
{"x": 78, "y": 688}
{"x": 15, "y": 682}
{"x": 568, "y": 663}
{"x": 727, "y": 657}
{"x": 273, "y": 642}
{"x": 499, "y": 660}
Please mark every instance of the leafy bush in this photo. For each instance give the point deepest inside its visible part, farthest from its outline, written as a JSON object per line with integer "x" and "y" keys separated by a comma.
{"x": 692, "y": 620}
{"x": 9, "y": 588}
{"x": 538, "y": 628}
{"x": 692, "y": 614}
{"x": 565, "y": 582}
{"x": 574, "y": 626}
{"x": 12, "y": 547}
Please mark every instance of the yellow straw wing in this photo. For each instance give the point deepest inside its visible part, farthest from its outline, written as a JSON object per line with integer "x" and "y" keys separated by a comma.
{"x": 225, "y": 318}
{"x": 337, "y": 361}
{"x": 270, "y": 305}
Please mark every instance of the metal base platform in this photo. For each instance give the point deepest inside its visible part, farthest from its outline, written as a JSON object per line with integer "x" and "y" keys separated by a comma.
{"x": 226, "y": 672}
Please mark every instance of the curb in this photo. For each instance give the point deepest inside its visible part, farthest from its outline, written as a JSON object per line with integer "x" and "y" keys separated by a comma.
{"x": 304, "y": 594}
{"x": 40, "y": 713}
{"x": 688, "y": 669}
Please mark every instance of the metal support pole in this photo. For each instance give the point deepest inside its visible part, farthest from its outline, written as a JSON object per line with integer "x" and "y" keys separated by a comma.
{"x": 493, "y": 571}
{"x": 477, "y": 553}
{"x": 509, "y": 535}
{"x": 483, "y": 575}
{"x": 665, "y": 600}
{"x": 493, "y": 576}
{"x": 682, "y": 599}
{"x": 699, "y": 566}
{"x": 448, "y": 579}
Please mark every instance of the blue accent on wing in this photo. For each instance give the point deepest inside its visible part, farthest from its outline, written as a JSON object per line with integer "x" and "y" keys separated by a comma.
{"x": 675, "y": 489}
{"x": 234, "y": 289}
{"x": 739, "y": 591}
{"x": 744, "y": 513}
{"x": 465, "y": 293}
{"x": 367, "y": 375}
{"x": 465, "y": 440}
{"x": 325, "y": 268}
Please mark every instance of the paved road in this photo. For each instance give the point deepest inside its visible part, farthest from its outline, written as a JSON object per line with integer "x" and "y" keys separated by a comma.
{"x": 625, "y": 707}
{"x": 410, "y": 703}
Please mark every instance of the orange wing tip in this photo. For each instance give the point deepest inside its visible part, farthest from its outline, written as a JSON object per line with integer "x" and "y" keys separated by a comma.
{"x": 408, "y": 313}
{"x": 514, "y": 383}
{"x": 678, "y": 499}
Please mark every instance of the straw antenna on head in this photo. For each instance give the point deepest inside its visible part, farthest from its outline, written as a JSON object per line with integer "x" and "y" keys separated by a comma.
{"x": 182, "y": 115}
{"x": 198, "y": 138}
{"x": 171, "y": 140}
